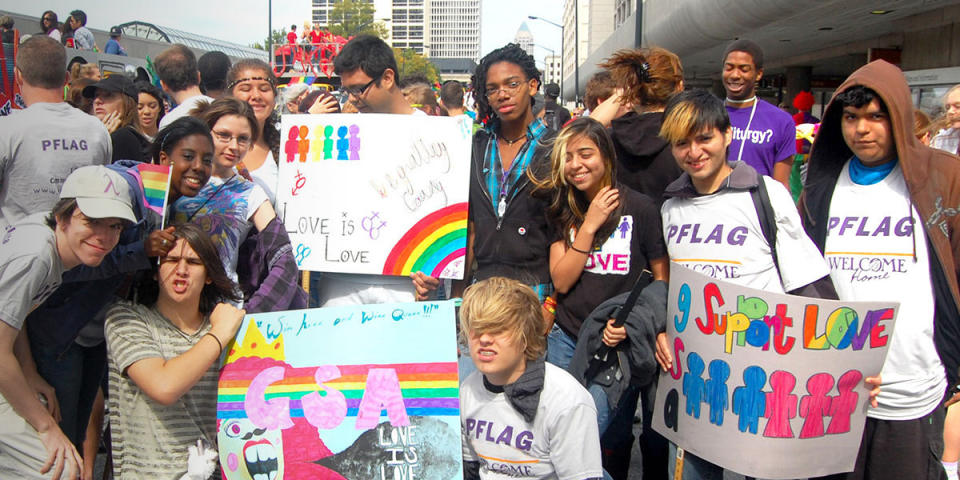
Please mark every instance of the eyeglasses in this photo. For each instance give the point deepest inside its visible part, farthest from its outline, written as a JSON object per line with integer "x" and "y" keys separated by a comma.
{"x": 47, "y": 19}
{"x": 510, "y": 88}
{"x": 358, "y": 92}
{"x": 224, "y": 137}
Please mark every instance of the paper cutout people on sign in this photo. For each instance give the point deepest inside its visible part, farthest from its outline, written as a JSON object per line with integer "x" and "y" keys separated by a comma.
{"x": 781, "y": 405}
{"x": 749, "y": 401}
{"x": 694, "y": 387}
{"x": 814, "y": 406}
{"x": 717, "y": 390}
{"x": 844, "y": 404}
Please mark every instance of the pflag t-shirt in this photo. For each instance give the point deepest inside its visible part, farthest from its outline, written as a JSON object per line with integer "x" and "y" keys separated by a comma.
{"x": 719, "y": 235}
{"x": 770, "y": 137}
{"x": 875, "y": 253}
{"x": 562, "y": 442}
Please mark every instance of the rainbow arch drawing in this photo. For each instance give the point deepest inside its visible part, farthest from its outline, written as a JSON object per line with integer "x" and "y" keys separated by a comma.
{"x": 431, "y": 244}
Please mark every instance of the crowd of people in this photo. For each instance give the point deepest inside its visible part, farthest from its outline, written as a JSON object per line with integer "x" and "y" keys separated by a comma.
{"x": 103, "y": 302}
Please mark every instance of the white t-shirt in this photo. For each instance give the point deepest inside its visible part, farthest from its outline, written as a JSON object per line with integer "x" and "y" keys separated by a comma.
{"x": 719, "y": 235}
{"x": 870, "y": 249}
{"x": 562, "y": 442}
{"x": 30, "y": 268}
{"x": 267, "y": 176}
{"x": 182, "y": 110}
{"x": 39, "y": 147}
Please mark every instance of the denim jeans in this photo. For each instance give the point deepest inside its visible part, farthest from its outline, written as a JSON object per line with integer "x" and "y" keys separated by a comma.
{"x": 76, "y": 375}
{"x": 560, "y": 349}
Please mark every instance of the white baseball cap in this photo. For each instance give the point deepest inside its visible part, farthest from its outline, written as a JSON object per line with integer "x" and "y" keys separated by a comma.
{"x": 100, "y": 193}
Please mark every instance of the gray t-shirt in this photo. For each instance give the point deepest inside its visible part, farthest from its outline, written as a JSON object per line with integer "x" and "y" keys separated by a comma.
{"x": 30, "y": 268}
{"x": 150, "y": 440}
{"x": 39, "y": 147}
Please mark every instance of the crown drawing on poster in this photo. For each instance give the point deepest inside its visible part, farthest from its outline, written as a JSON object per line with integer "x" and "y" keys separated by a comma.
{"x": 254, "y": 344}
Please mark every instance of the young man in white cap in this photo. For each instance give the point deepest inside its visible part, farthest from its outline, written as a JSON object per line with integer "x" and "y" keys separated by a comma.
{"x": 82, "y": 229}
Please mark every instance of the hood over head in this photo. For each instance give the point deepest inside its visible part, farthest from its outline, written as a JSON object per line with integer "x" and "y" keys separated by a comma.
{"x": 830, "y": 152}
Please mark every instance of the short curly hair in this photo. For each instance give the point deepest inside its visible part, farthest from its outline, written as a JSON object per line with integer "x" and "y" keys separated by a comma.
{"x": 509, "y": 53}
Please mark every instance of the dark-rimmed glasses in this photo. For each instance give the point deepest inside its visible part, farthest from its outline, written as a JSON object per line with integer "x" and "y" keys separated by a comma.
{"x": 358, "y": 92}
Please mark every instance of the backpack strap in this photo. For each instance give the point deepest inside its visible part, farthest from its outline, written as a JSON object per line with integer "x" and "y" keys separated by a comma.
{"x": 768, "y": 220}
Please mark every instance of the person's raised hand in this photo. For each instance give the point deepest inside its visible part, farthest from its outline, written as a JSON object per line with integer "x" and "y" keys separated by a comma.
{"x": 424, "y": 284}
{"x": 225, "y": 320}
{"x": 606, "y": 201}
{"x": 324, "y": 104}
{"x": 159, "y": 242}
{"x": 111, "y": 121}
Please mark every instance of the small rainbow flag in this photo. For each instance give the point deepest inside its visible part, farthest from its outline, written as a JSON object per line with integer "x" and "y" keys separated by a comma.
{"x": 154, "y": 181}
{"x": 307, "y": 80}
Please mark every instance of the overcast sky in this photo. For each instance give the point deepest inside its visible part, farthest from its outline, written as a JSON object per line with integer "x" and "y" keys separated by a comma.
{"x": 245, "y": 21}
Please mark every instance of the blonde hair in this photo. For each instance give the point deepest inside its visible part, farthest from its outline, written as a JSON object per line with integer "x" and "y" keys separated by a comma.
{"x": 500, "y": 304}
{"x": 691, "y": 112}
{"x": 85, "y": 70}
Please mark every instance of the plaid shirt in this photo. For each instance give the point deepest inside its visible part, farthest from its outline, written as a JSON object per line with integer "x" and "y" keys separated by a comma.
{"x": 269, "y": 278}
{"x": 501, "y": 184}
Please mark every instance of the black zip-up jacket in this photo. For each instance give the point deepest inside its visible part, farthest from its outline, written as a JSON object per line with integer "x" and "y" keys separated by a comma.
{"x": 516, "y": 246}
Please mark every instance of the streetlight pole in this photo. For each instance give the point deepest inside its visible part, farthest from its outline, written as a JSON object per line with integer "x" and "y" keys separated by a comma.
{"x": 546, "y": 65}
{"x": 270, "y": 30}
{"x": 562, "y": 40}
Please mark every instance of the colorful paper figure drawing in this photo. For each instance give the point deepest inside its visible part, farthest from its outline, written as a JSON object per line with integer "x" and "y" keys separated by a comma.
{"x": 366, "y": 392}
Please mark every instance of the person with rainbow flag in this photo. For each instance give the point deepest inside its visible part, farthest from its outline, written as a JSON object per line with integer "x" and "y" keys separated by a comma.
{"x": 66, "y": 331}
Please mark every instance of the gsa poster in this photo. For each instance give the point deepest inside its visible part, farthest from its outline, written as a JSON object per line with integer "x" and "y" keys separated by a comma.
{"x": 356, "y": 393}
{"x": 768, "y": 385}
{"x": 376, "y": 194}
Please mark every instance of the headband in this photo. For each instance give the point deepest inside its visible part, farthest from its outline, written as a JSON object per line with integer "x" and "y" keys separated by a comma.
{"x": 272, "y": 81}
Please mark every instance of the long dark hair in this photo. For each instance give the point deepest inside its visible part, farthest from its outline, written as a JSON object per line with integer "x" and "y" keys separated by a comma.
{"x": 569, "y": 205}
{"x": 510, "y": 53}
{"x": 156, "y": 93}
{"x": 54, "y": 24}
{"x": 220, "y": 288}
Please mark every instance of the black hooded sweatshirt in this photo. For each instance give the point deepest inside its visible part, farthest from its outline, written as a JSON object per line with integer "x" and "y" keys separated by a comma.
{"x": 644, "y": 160}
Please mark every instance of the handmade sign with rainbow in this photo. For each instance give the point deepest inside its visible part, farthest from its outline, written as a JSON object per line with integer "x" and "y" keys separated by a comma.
{"x": 764, "y": 384}
{"x": 376, "y": 194}
{"x": 367, "y": 392}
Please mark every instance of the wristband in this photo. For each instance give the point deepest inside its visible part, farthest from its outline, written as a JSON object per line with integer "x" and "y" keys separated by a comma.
{"x": 575, "y": 249}
{"x": 550, "y": 305}
{"x": 219, "y": 343}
